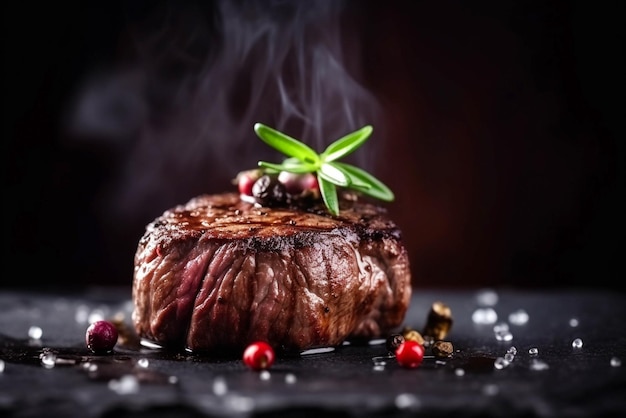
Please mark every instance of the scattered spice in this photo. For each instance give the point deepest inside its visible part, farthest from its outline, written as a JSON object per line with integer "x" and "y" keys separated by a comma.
{"x": 442, "y": 349}
{"x": 439, "y": 321}
{"x": 413, "y": 335}
{"x": 394, "y": 341}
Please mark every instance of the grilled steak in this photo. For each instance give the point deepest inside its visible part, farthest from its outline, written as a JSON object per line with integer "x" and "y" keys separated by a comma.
{"x": 218, "y": 273}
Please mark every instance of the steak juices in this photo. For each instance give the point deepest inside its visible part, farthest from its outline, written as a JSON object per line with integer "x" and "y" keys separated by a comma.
{"x": 276, "y": 265}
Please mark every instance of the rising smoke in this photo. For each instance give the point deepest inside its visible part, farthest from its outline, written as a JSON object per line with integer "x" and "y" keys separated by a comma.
{"x": 180, "y": 114}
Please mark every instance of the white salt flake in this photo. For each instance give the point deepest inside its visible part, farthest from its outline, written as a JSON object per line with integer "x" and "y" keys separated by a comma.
{"x": 533, "y": 351}
{"x": 219, "y": 386}
{"x": 290, "y": 378}
{"x": 577, "y": 343}
{"x": 484, "y": 316}
{"x": 616, "y": 362}
{"x": 35, "y": 332}
{"x": 573, "y": 322}
{"x": 518, "y": 317}
{"x": 500, "y": 363}
{"x": 125, "y": 385}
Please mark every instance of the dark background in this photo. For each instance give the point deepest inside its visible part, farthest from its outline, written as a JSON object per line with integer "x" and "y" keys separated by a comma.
{"x": 504, "y": 138}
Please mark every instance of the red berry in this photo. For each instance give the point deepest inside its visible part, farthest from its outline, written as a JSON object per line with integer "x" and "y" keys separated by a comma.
{"x": 245, "y": 181}
{"x": 101, "y": 337}
{"x": 410, "y": 354}
{"x": 259, "y": 356}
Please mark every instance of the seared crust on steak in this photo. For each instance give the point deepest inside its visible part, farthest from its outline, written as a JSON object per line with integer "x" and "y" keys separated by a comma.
{"x": 218, "y": 273}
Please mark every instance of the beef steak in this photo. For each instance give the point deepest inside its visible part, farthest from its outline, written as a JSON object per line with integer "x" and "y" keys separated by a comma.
{"x": 218, "y": 273}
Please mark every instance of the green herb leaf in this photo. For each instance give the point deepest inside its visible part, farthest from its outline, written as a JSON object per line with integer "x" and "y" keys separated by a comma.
{"x": 287, "y": 145}
{"x": 329, "y": 195}
{"x": 298, "y": 168}
{"x": 330, "y": 173}
{"x": 347, "y": 144}
{"x": 376, "y": 187}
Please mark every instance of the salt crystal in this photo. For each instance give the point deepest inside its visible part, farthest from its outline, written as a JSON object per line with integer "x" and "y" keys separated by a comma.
{"x": 519, "y": 317}
{"x": 35, "y": 332}
{"x": 573, "y": 322}
{"x": 379, "y": 367}
{"x": 143, "y": 363}
{"x": 512, "y": 350}
{"x": 126, "y": 385}
{"x": 484, "y": 316}
{"x": 48, "y": 360}
{"x": 290, "y": 378}
{"x": 577, "y": 343}
{"x": 219, "y": 386}
{"x": 1, "y": 366}
{"x": 533, "y": 351}
{"x": 509, "y": 357}
{"x": 501, "y": 327}
{"x": 265, "y": 375}
{"x": 504, "y": 336}
{"x": 616, "y": 362}
{"x": 459, "y": 372}
{"x": 500, "y": 363}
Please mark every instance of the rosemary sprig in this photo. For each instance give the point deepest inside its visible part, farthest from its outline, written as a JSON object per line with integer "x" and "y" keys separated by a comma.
{"x": 330, "y": 172}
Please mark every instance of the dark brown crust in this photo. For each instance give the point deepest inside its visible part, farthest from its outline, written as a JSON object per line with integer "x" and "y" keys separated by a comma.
{"x": 218, "y": 273}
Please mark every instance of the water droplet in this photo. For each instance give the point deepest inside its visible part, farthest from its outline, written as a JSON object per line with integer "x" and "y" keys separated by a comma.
{"x": 484, "y": 316}
{"x": 125, "y": 385}
{"x": 317, "y": 351}
{"x": 379, "y": 367}
{"x": 48, "y": 359}
{"x": 577, "y": 343}
{"x": 487, "y": 297}
{"x": 509, "y": 357}
{"x": 143, "y": 362}
{"x": 501, "y": 327}
{"x": 1, "y": 366}
{"x": 290, "y": 378}
{"x": 172, "y": 380}
{"x": 500, "y": 363}
{"x": 538, "y": 365}
{"x": 512, "y": 350}
{"x": 518, "y": 317}
{"x": 407, "y": 401}
{"x": 533, "y": 351}
{"x": 265, "y": 375}
{"x": 504, "y": 336}
{"x": 219, "y": 386}
{"x": 459, "y": 372}
{"x": 616, "y": 362}
{"x": 35, "y": 332}
{"x": 573, "y": 322}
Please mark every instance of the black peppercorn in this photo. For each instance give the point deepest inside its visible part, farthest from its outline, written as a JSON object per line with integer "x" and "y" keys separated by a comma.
{"x": 268, "y": 191}
{"x": 393, "y": 342}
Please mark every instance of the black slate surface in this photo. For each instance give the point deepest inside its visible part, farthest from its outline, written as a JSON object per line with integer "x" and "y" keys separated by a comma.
{"x": 559, "y": 381}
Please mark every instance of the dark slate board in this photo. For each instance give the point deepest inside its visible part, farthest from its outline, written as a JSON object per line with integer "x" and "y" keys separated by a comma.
{"x": 559, "y": 381}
